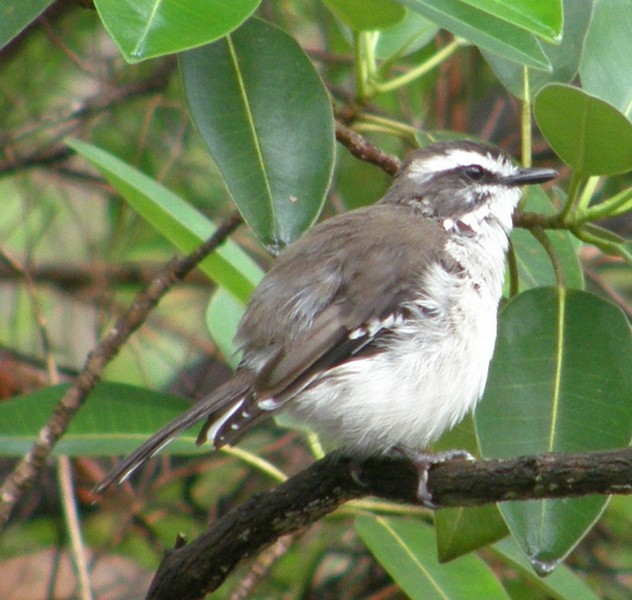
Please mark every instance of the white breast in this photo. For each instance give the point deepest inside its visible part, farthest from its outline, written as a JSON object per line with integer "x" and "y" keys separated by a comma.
{"x": 432, "y": 371}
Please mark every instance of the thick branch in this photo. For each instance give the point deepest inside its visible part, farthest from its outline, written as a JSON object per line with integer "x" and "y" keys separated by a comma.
{"x": 25, "y": 473}
{"x": 192, "y": 570}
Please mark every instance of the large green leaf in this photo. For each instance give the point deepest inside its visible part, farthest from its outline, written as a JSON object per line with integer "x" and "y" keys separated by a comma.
{"x": 534, "y": 265}
{"x": 265, "y": 116}
{"x": 148, "y": 28}
{"x": 587, "y": 133}
{"x": 606, "y": 67}
{"x": 176, "y": 220}
{"x": 362, "y": 15}
{"x": 15, "y": 15}
{"x": 560, "y": 585}
{"x": 116, "y": 419}
{"x": 564, "y": 57}
{"x": 541, "y": 17}
{"x": 559, "y": 382}
{"x": 405, "y": 548}
{"x": 483, "y": 29}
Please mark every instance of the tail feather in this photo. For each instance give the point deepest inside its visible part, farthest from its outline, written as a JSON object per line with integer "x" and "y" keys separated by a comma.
{"x": 218, "y": 403}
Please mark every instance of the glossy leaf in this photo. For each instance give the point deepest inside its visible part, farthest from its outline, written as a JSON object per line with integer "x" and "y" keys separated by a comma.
{"x": 265, "y": 116}
{"x": 562, "y": 584}
{"x": 176, "y": 220}
{"x": 540, "y": 17}
{"x": 559, "y": 382}
{"x": 148, "y": 28}
{"x": 362, "y": 15}
{"x": 587, "y": 133}
{"x": 534, "y": 265}
{"x": 116, "y": 419}
{"x": 464, "y": 529}
{"x": 15, "y": 15}
{"x": 483, "y": 29}
{"x": 564, "y": 57}
{"x": 606, "y": 67}
{"x": 405, "y": 548}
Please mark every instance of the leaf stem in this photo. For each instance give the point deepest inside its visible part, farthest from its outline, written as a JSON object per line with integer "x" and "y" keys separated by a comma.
{"x": 421, "y": 69}
{"x": 525, "y": 119}
{"x": 540, "y": 235}
{"x": 610, "y": 208}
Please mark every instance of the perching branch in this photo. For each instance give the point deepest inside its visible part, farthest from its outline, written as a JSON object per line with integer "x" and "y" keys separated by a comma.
{"x": 195, "y": 569}
{"x": 26, "y": 471}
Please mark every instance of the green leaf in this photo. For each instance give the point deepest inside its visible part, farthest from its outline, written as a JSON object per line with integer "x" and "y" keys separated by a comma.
{"x": 116, "y": 419}
{"x": 483, "y": 29}
{"x": 587, "y": 133}
{"x": 534, "y": 264}
{"x": 222, "y": 318}
{"x": 176, "y": 220}
{"x": 405, "y": 548}
{"x": 365, "y": 15}
{"x": 464, "y": 529}
{"x": 265, "y": 116}
{"x": 145, "y": 29}
{"x": 540, "y": 17}
{"x": 15, "y": 15}
{"x": 606, "y": 67}
{"x": 560, "y": 585}
{"x": 559, "y": 382}
{"x": 564, "y": 57}
{"x": 413, "y": 33}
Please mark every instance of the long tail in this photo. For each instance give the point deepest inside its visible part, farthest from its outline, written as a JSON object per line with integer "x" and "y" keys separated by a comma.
{"x": 220, "y": 402}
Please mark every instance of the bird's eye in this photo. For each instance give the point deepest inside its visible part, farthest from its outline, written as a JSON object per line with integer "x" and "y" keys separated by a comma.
{"x": 474, "y": 172}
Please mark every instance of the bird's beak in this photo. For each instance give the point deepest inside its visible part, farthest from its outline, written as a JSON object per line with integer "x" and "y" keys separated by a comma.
{"x": 530, "y": 175}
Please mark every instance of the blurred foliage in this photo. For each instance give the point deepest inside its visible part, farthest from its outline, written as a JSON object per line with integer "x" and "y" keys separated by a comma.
{"x": 74, "y": 250}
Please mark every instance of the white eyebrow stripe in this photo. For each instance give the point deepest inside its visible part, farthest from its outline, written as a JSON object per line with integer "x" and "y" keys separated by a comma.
{"x": 458, "y": 158}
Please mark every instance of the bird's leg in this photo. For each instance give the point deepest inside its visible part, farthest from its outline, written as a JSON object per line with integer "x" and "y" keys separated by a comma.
{"x": 423, "y": 462}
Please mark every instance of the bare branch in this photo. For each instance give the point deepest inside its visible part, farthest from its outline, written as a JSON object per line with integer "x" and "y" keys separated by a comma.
{"x": 26, "y": 471}
{"x": 361, "y": 148}
{"x": 195, "y": 569}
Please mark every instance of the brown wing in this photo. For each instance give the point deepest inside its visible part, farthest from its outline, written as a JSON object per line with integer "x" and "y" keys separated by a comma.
{"x": 335, "y": 300}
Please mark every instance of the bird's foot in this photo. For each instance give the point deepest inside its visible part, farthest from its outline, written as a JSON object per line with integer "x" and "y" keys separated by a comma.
{"x": 423, "y": 462}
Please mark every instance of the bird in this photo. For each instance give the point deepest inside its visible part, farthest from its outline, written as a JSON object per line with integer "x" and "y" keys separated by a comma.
{"x": 376, "y": 327}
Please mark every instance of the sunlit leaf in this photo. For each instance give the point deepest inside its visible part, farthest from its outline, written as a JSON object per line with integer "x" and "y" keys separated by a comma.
{"x": 361, "y": 15}
{"x": 483, "y": 29}
{"x": 541, "y": 17}
{"x": 148, "y": 28}
{"x": 564, "y": 57}
{"x": 176, "y": 220}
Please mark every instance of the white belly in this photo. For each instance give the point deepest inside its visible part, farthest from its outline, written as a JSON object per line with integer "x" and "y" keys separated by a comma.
{"x": 432, "y": 373}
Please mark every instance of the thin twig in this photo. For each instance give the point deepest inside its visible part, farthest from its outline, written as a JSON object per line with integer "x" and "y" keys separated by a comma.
{"x": 26, "y": 471}
{"x": 361, "y": 148}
